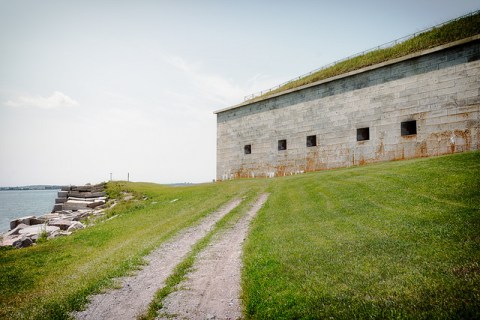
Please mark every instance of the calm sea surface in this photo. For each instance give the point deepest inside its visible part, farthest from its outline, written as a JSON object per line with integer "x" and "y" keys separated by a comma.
{"x": 16, "y": 204}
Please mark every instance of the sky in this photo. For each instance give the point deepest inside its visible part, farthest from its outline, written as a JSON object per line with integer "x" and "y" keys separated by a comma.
{"x": 93, "y": 89}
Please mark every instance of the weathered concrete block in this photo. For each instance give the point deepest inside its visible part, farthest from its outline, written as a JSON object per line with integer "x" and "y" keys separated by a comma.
{"x": 15, "y": 230}
{"x": 77, "y": 205}
{"x": 38, "y": 229}
{"x": 62, "y": 194}
{"x": 79, "y": 194}
{"x": 76, "y": 226}
{"x": 57, "y": 207}
{"x": 61, "y": 223}
{"x": 22, "y": 242}
{"x": 23, "y": 220}
{"x": 95, "y": 204}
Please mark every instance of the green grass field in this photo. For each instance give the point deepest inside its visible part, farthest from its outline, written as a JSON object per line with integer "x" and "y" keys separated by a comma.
{"x": 395, "y": 240}
{"x": 398, "y": 240}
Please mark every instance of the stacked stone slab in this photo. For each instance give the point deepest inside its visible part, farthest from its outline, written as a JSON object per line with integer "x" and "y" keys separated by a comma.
{"x": 80, "y": 197}
{"x": 73, "y": 204}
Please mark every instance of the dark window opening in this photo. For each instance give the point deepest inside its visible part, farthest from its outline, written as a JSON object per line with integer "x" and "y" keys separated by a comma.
{"x": 409, "y": 127}
{"x": 311, "y": 141}
{"x": 282, "y": 145}
{"x": 363, "y": 134}
{"x": 247, "y": 149}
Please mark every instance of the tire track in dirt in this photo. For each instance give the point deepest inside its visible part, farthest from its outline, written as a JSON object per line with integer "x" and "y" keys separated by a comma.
{"x": 137, "y": 291}
{"x": 212, "y": 289}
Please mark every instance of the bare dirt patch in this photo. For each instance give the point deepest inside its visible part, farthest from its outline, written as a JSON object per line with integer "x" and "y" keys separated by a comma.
{"x": 136, "y": 292}
{"x": 212, "y": 288}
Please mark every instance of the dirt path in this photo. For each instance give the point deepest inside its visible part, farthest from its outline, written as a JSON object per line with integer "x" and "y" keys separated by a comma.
{"x": 212, "y": 289}
{"x": 137, "y": 292}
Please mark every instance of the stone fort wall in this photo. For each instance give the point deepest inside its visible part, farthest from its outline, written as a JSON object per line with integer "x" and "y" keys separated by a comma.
{"x": 421, "y": 105}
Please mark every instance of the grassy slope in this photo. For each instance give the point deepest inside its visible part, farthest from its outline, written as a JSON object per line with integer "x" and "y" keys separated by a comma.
{"x": 451, "y": 32}
{"x": 397, "y": 239}
{"x": 394, "y": 240}
{"x": 49, "y": 280}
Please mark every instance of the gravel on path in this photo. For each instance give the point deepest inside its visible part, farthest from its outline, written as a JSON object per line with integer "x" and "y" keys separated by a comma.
{"x": 137, "y": 291}
{"x": 212, "y": 289}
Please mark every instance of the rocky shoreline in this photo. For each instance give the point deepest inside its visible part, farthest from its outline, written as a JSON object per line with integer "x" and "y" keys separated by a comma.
{"x": 73, "y": 204}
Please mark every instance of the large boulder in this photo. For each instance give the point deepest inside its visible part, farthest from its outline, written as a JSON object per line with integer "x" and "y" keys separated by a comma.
{"x": 63, "y": 224}
{"x": 39, "y": 220}
{"x": 57, "y": 207}
{"x": 15, "y": 231}
{"x": 18, "y": 241}
{"x": 24, "y": 220}
{"x": 75, "y": 226}
{"x": 23, "y": 242}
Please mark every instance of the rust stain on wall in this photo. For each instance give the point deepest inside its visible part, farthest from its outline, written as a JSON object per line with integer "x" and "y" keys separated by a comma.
{"x": 466, "y": 135}
{"x": 380, "y": 150}
{"x": 280, "y": 170}
{"x": 452, "y": 141}
{"x": 421, "y": 150}
{"x": 311, "y": 161}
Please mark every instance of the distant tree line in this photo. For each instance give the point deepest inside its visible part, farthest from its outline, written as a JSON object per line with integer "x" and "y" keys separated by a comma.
{"x": 38, "y": 187}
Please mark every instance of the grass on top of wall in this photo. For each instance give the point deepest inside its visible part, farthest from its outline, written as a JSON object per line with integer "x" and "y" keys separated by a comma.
{"x": 456, "y": 30}
{"x": 397, "y": 240}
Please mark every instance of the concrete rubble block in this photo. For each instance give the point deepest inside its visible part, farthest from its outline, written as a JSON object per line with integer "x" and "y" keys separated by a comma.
{"x": 49, "y": 216}
{"x": 61, "y": 223}
{"x": 79, "y": 194}
{"x": 85, "y": 213}
{"x": 62, "y": 194}
{"x": 95, "y": 204}
{"x": 18, "y": 241}
{"x": 24, "y": 220}
{"x": 75, "y": 205}
{"x": 37, "y": 230}
{"x": 15, "y": 231}
{"x": 57, "y": 207}
{"x": 75, "y": 226}
{"x": 23, "y": 242}
{"x": 39, "y": 220}
{"x": 9, "y": 241}
{"x": 61, "y": 200}
{"x": 82, "y": 188}
{"x": 87, "y": 199}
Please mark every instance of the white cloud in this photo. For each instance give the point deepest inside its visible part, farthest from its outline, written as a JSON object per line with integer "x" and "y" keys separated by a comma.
{"x": 213, "y": 87}
{"x": 55, "y": 101}
{"x": 216, "y": 88}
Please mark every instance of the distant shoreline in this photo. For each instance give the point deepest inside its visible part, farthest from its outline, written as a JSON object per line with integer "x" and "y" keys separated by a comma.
{"x": 36, "y": 187}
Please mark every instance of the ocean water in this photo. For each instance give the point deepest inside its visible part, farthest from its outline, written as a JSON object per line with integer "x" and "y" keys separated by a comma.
{"x": 21, "y": 203}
